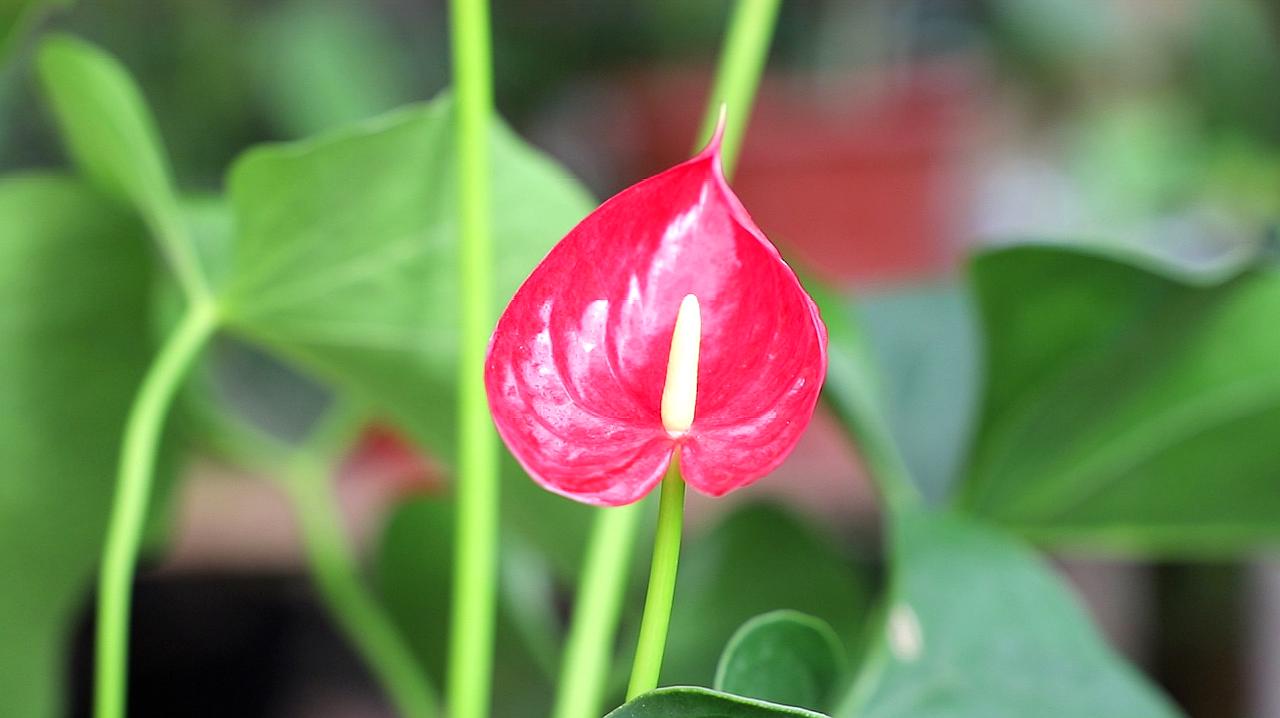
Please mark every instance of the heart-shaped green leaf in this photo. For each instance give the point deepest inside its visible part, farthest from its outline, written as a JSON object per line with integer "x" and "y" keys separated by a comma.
{"x": 1126, "y": 405}
{"x": 688, "y": 702}
{"x": 356, "y": 280}
{"x": 978, "y": 626}
{"x": 345, "y": 258}
{"x": 783, "y": 657}
{"x": 75, "y": 281}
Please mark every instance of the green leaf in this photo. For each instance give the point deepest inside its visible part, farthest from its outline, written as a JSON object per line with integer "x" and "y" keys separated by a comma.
{"x": 688, "y": 702}
{"x": 74, "y": 293}
{"x": 346, "y": 255}
{"x": 926, "y": 341}
{"x": 1127, "y": 406}
{"x": 345, "y": 263}
{"x": 783, "y": 657}
{"x": 107, "y": 127}
{"x": 760, "y": 558}
{"x": 978, "y": 626}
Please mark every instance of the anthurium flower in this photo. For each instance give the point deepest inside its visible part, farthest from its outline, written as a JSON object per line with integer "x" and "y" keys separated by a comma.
{"x": 665, "y": 324}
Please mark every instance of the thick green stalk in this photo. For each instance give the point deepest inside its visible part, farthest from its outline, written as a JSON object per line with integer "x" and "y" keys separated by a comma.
{"x": 476, "y": 545}
{"x": 588, "y": 653}
{"x": 336, "y": 574}
{"x": 742, "y": 60}
{"x": 129, "y": 509}
{"x": 662, "y": 585}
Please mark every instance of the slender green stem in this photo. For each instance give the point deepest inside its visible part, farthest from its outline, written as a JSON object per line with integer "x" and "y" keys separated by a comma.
{"x": 336, "y": 574}
{"x": 742, "y": 60}
{"x": 886, "y": 467}
{"x": 129, "y": 509}
{"x": 662, "y": 585}
{"x": 476, "y": 546}
{"x": 588, "y": 653}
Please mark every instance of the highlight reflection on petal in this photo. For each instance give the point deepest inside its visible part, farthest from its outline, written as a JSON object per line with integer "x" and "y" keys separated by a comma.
{"x": 578, "y": 361}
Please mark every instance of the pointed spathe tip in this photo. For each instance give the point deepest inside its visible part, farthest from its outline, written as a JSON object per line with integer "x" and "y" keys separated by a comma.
{"x": 712, "y": 148}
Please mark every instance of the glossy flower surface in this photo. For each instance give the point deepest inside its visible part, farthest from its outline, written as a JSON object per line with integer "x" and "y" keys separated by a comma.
{"x": 581, "y": 358}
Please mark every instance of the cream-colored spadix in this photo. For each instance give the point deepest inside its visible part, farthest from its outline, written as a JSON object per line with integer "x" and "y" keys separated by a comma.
{"x": 680, "y": 393}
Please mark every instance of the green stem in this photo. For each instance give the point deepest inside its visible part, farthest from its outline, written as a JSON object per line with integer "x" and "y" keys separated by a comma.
{"x": 355, "y": 609}
{"x": 476, "y": 545}
{"x": 129, "y": 510}
{"x": 742, "y": 61}
{"x": 886, "y": 467}
{"x": 588, "y": 653}
{"x": 662, "y": 585}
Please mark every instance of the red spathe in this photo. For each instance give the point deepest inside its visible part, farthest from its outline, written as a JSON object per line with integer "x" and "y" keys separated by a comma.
{"x": 578, "y": 361}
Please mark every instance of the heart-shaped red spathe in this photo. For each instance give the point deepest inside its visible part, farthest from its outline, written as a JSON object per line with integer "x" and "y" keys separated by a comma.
{"x": 578, "y": 362}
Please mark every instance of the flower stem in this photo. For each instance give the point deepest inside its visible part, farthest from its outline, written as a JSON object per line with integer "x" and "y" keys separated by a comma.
{"x": 595, "y": 619}
{"x": 476, "y": 545}
{"x": 129, "y": 509}
{"x": 662, "y": 585}
{"x": 588, "y": 651}
{"x": 337, "y": 577}
{"x": 742, "y": 60}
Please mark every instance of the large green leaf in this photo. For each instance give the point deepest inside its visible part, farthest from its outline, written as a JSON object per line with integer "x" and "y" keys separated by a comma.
{"x": 783, "y": 657}
{"x": 758, "y": 559}
{"x": 686, "y": 702}
{"x": 74, "y": 292}
{"x": 345, "y": 263}
{"x": 1131, "y": 406}
{"x": 107, "y": 127}
{"x": 345, "y": 258}
{"x": 978, "y": 627}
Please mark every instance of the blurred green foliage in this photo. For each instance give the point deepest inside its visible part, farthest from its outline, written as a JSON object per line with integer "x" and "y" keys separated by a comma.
{"x": 75, "y": 284}
{"x": 976, "y": 625}
{"x": 1125, "y": 406}
{"x": 1092, "y": 396}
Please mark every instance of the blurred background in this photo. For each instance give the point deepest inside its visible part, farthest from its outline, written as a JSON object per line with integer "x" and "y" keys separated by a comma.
{"x": 889, "y": 139}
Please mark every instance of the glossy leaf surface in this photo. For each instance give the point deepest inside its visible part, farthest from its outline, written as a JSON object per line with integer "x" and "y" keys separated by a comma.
{"x": 74, "y": 284}
{"x": 1128, "y": 406}
{"x": 978, "y": 626}
{"x": 685, "y": 702}
{"x": 783, "y": 657}
{"x": 579, "y": 359}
